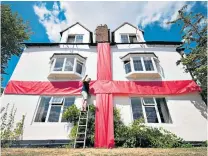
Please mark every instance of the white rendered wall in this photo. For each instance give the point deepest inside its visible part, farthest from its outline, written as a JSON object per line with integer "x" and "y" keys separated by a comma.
{"x": 34, "y": 63}
{"x": 188, "y": 114}
{"x": 28, "y": 105}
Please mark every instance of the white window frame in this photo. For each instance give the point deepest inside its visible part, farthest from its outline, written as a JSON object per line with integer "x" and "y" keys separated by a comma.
{"x": 144, "y": 112}
{"x": 64, "y": 63}
{"x": 75, "y": 37}
{"x": 153, "y": 60}
{"x": 128, "y": 37}
{"x": 49, "y": 110}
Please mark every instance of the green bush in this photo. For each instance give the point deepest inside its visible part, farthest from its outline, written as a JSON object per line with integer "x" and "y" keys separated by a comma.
{"x": 9, "y": 132}
{"x": 135, "y": 135}
{"x": 71, "y": 114}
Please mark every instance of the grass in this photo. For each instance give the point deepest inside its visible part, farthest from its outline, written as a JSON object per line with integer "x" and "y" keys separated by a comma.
{"x": 201, "y": 151}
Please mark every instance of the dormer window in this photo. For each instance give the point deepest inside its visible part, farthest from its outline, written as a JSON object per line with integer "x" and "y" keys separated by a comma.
{"x": 75, "y": 39}
{"x": 142, "y": 65}
{"x": 67, "y": 66}
{"x": 129, "y": 38}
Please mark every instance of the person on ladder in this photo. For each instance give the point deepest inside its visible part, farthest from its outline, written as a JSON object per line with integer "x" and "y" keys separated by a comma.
{"x": 85, "y": 92}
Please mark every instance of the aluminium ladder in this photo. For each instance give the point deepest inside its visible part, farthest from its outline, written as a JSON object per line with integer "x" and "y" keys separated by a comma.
{"x": 82, "y": 125}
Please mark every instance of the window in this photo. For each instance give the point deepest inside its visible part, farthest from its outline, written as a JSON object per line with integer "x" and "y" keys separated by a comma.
{"x": 42, "y": 109}
{"x": 58, "y": 64}
{"x": 127, "y": 66}
{"x": 129, "y": 38}
{"x": 79, "y": 67}
{"x": 124, "y": 39}
{"x": 153, "y": 110}
{"x": 142, "y": 64}
{"x": 148, "y": 64}
{"x": 132, "y": 38}
{"x": 75, "y": 39}
{"x": 136, "y": 105}
{"x": 137, "y": 64}
{"x": 51, "y": 108}
{"x": 67, "y": 64}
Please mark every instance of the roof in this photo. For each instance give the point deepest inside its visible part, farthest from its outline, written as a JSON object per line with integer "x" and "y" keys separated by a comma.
{"x": 74, "y": 25}
{"x": 75, "y": 54}
{"x": 111, "y": 43}
{"x": 138, "y": 53}
{"x": 128, "y": 24}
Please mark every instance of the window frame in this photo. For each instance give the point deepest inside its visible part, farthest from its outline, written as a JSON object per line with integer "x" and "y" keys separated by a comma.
{"x": 49, "y": 109}
{"x": 64, "y": 65}
{"x": 153, "y": 59}
{"x": 144, "y": 112}
{"x": 75, "y": 38}
{"x": 129, "y": 34}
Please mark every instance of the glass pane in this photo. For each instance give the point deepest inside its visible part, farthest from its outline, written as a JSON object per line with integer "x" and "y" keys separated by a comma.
{"x": 54, "y": 113}
{"x": 71, "y": 39}
{"x": 58, "y": 64}
{"x": 127, "y": 67}
{"x": 163, "y": 110}
{"x": 42, "y": 109}
{"x": 149, "y": 101}
{"x": 137, "y": 64}
{"x": 79, "y": 67}
{"x": 159, "y": 68}
{"x": 57, "y": 100}
{"x": 68, "y": 102}
{"x": 69, "y": 64}
{"x": 136, "y": 108}
{"x": 132, "y": 38}
{"x": 124, "y": 39}
{"x": 79, "y": 38}
{"x": 151, "y": 114}
{"x": 148, "y": 64}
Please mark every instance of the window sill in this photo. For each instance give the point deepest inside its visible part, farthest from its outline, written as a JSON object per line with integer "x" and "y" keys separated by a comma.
{"x": 61, "y": 74}
{"x": 143, "y": 74}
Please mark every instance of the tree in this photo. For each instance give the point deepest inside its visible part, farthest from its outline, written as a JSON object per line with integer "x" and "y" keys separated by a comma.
{"x": 13, "y": 32}
{"x": 194, "y": 34}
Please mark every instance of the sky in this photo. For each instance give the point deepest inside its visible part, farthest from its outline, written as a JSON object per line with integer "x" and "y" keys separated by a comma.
{"x": 47, "y": 19}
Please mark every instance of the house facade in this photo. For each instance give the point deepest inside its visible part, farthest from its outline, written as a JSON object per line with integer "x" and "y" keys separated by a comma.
{"x": 40, "y": 85}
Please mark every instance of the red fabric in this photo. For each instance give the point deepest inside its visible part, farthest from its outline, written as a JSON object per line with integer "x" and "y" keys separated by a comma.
{"x": 102, "y": 87}
{"x": 104, "y": 129}
{"x": 104, "y": 71}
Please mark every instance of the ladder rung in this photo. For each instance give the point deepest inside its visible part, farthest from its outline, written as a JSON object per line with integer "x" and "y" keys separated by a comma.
{"x": 79, "y": 141}
{"x": 80, "y": 133}
{"x": 82, "y": 125}
{"x": 83, "y": 118}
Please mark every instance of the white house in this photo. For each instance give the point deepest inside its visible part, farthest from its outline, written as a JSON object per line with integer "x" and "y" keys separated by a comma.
{"x": 180, "y": 111}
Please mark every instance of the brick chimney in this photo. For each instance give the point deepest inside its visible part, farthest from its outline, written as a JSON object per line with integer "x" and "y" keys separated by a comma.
{"x": 102, "y": 34}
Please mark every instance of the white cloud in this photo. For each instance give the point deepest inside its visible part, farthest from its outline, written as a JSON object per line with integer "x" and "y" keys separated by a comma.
{"x": 113, "y": 14}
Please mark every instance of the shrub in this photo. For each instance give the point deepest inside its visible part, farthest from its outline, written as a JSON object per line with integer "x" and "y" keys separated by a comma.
{"x": 135, "y": 135}
{"x": 71, "y": 114}
{"x": 9, "y": 132}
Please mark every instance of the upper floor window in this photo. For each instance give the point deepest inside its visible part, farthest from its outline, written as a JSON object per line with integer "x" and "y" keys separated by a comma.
{"x": 129, "y": 38}
{"x": 152, "y": 110}
{"x": 137, "y": 64}
{"x": 75, "y": 39}
{"x": 51, "y": 109}
{"x": 67, "y": 64}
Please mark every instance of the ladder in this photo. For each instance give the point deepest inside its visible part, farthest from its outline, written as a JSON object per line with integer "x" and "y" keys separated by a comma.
{"x": 82, "y": 125}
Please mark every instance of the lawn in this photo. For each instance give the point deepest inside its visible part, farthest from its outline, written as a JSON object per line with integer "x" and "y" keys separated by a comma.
{"x": 104, "y": 152}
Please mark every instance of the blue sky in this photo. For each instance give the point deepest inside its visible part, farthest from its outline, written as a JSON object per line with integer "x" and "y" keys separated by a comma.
{"x": 47, "y": 19}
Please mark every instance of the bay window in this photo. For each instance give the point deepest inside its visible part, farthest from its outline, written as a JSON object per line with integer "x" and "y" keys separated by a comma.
{"x": 67, "y": 65}
{"x": 142, "y": 65}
